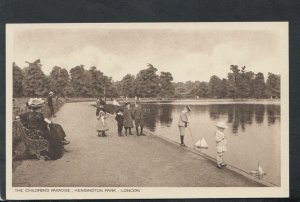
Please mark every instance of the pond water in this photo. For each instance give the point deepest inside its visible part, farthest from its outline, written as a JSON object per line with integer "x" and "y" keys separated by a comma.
{"x": 253, "y": 131}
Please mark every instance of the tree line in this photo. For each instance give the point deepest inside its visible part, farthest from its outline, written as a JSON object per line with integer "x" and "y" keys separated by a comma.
{"x": 79, "y": 82}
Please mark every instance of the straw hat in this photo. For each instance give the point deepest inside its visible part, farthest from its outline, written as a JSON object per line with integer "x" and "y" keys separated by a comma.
{"x": 36, "y": 102}
{"x": 51, "y": 93}
{"x": 221, "y": 125}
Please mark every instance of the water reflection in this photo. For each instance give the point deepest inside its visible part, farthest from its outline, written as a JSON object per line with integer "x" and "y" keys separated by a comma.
{"x": 273, "y": 112}
{"x": 165, "y": 115}
{"x": 238, "y": 115}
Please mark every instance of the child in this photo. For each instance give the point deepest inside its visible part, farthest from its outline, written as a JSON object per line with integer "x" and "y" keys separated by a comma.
{"x": 120, "y": 120}
{"x": 102, "y": 127}
{"x": 183, "y": 123}
{"x": 221, "y": 144}
{"x": 128, "y": 119}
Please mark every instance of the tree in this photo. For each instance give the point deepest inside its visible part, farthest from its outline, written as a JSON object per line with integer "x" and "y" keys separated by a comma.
{"x": 245, "y": 84}
{"x": 18, "y": 77}
{"x": 127, "y": 85}
{"x": 80, "y": 81}
{"x": 35, "y": 83}
{"x": 200, "y": 89}
{"x": 233, "y": 81}
{"x": 147, "y": 82}
{"x": 273, "y": 85}
{"x": 59, "y": 79}
{"x": 96, "y": 82}
{"x": 166, "y": 86}
{"x": 259, "y": 85}
{"x": 215, "y": 87}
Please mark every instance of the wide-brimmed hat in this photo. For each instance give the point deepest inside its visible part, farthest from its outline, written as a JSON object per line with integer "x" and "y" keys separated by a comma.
{"x": 51, "y": 93}
{"x": 221, "y": 125}
{"x": 36, "y": 102}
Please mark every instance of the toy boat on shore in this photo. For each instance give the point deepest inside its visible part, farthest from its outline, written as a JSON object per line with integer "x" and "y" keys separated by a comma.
{"x": 259, "y": 172}
{"x": 201, "y": 144}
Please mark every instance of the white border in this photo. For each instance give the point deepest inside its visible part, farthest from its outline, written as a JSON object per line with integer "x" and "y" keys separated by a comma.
{"x": 154, "y": 192}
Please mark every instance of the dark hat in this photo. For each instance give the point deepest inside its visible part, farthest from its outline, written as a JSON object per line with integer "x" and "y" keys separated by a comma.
{"x": 188, "y": 108}
{"x": 127, "y": 103}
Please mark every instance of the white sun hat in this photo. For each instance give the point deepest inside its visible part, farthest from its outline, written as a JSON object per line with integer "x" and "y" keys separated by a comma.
{"x": 221, "y": 124}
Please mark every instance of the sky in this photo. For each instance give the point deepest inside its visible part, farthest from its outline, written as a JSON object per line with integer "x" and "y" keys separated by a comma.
{"x": 190, "y": 51}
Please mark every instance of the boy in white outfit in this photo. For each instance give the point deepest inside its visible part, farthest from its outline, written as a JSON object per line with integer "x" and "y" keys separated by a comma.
{"x": 221, "y": 144}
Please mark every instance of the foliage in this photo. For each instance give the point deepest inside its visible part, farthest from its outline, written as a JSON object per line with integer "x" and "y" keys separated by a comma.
{"x": 273, "y": 86}
{"x": 147, "y": 82}
{"x": 36, "y": 82}
{"x": 18, "y": 76}
{"x": 79, "y": 82}
{"x": 59, "y": 79}
{"x": 165, "y": 83}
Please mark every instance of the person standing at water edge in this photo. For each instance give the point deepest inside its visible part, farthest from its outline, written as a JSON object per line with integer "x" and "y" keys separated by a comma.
{"x": 50, "y": 103}
{"x": 182, "y": 124}
{"x": 138, "y": 116}
{"x": 128, "y": 121}
{"x": 221, "y": 144}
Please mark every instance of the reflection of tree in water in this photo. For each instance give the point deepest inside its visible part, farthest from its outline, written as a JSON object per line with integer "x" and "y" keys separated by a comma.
{"x": 216, "y": 110}
{"x": 165, "y": 112}
{"x": 259, "y": 113}
{"x": 150, "y": 115}
{"x": 238, "y": 115}
{"x": 273, "y": 112}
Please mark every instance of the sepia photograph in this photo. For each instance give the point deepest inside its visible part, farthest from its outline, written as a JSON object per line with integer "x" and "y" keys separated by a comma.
{"x": 147, "y": 110}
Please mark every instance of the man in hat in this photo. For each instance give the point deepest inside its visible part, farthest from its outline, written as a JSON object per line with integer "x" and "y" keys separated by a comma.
{"x": 138, "y": 116}
{"x": 182, "y": 124}
{"x": 50, "y": 103}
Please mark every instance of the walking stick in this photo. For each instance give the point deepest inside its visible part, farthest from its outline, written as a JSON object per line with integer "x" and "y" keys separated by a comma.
{"x": 191, "y": 134}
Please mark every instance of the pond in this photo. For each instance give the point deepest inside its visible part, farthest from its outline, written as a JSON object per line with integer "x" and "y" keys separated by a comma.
{"x": 253, "y": 131}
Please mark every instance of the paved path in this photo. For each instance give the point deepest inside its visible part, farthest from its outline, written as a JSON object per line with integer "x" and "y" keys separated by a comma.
{"x": 120, "y": 161}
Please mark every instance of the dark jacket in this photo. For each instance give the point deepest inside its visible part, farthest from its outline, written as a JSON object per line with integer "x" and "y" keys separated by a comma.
{"x": 49, "y": 100}
{"x": 120, "y": 119}
{"x": 35, "y": 120}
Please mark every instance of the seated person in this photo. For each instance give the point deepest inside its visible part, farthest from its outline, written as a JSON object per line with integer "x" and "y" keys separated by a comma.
{"x": 35, "y": 119}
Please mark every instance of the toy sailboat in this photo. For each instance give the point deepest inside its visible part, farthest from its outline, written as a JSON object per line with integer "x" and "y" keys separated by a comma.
{"x": 201, "y": 144}
{"x": 259, "y": 172}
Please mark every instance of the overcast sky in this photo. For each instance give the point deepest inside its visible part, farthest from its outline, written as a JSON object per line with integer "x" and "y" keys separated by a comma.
{"x": 188, "y": 51}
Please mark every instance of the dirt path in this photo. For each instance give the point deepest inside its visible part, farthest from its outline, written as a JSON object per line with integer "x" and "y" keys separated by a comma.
{"x": 120, "y": 161}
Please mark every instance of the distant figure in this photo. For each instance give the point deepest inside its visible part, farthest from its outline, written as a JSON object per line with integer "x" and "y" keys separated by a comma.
{"x": 138, "y": 116}
{"x": 102, "y": 127}
{"x": 50, "y": 103}
{"x": 183, "y": 123}
{"x": 221, "y": 144}
{"x": 128, "y": 120}
{"x": 120, "y": 120}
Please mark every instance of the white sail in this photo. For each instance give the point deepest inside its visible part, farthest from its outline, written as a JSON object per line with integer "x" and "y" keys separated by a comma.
{"x": 203, "y": 143}
{"x": 198, "y": 143}
{"x": 260, "y": 170}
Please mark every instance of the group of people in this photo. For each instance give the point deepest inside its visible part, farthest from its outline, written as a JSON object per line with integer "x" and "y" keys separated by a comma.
{"x": 126, "y": 117}
{"x": 220, "y": 137}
